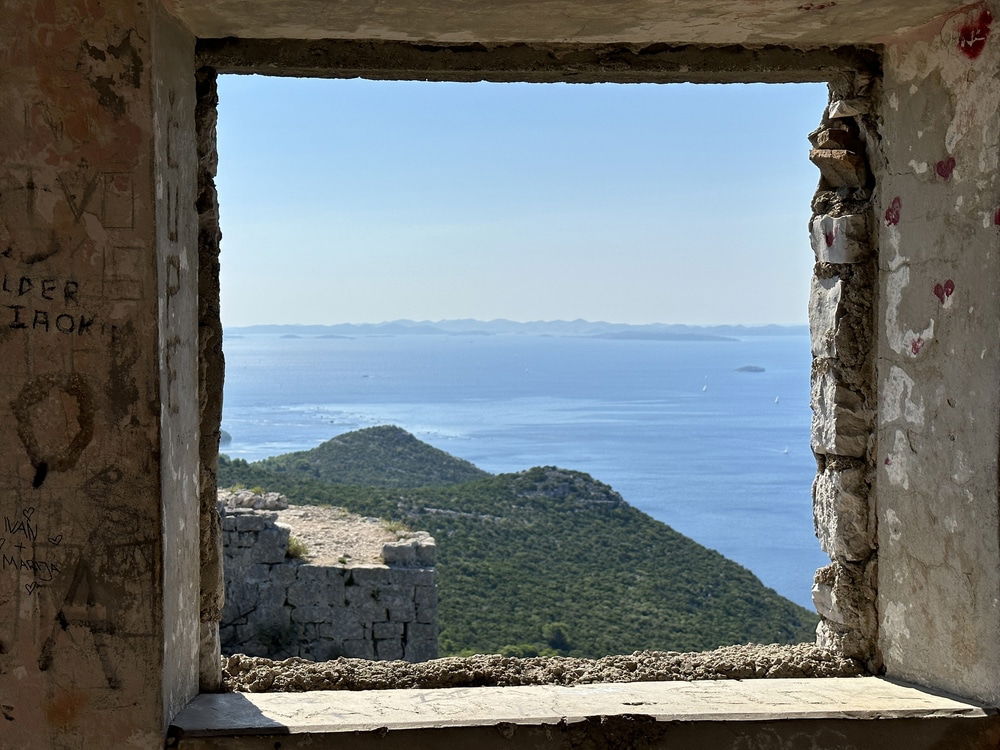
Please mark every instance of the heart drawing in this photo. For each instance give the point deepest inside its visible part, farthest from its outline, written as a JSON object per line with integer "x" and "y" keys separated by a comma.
{"x": 30, "y": 587}
{"x": 892, "y": 213}
{"x": 28, "y": 512}
{"x": 944, "y": 291}
{"x": 945, "y": 167}
{"x": 55, "y": 540}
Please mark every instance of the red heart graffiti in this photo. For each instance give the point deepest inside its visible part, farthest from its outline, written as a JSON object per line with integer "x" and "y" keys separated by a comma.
{"x": 996, "y": 217}
{"x": 945, "y": 167}
{"x": 892, "y": 213}
{"x": 830, "y": 237}
{"x": 945, "y": 290}
{"x": 916, "y": 345}
{"x": 972, "y": 36}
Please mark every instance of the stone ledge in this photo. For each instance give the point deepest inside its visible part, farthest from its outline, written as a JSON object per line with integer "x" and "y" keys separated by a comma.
{"x": 387, "y": 711}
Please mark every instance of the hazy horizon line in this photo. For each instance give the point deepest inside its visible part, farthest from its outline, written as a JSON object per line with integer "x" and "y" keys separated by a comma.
{"x": 519, "y": 322}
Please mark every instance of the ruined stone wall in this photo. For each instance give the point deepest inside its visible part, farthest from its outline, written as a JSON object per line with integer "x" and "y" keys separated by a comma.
{"x": 938, "y": 339}
{"x": 280, "y": 607}
{"x": 841, "y": 310}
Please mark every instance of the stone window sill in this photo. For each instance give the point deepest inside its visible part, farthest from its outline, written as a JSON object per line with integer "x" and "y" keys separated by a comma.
{"x": 546, "y": 716}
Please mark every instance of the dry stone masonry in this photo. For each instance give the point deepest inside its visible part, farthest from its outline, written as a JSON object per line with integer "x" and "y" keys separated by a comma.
{"x": 279, "y": 606}
{"x": 843, "y": 371}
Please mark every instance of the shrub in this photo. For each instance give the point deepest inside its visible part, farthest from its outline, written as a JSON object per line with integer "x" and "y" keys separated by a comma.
{"x": 296, "y": 548}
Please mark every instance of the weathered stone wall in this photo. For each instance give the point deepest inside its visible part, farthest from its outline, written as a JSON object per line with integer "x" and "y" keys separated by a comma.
{"x": 939, "y": 354}
{"x": 98, "y": 548}
{"x": 280, "y": 607}
{"x": 841, "y": 310}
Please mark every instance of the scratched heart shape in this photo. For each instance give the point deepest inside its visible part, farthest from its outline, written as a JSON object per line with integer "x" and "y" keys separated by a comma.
{"x": 55, "y": 540}
{"x": 30, "y": 587}
{"x": 28, "y": 512}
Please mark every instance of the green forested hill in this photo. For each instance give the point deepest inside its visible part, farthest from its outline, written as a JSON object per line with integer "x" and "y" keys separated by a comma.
{"x": 553, "y": 559}
{"x": 383, "y": 456}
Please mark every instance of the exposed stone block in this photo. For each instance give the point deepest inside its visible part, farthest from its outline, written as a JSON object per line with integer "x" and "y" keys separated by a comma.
{"x": 841, "y": 424}
{"x": 848, "y": 108}
{"x": 425, "y": 596}
{"x": 400, "y": 553}
{"x": 383, "y": 630}
{"x": 313, "y": 575}
{"x": 250, "y": 522}
{"x": 344, "y": 626}
{"x": 840, "y": 239}
{"x": 834, "y": 135}
{"x": 416, "y": 631}
{"x": 283, "y": 573}
{"x": 368, "y": 575}
{"x": 317, "y": 614}
{"x": 841, "y": 514}
{"x": 427, "y": 554}
{"x": 358, "y": 648}
{"x": 272, "y": 544}
{"x": 850, "y": 643}
{"x": 388, "y": 649}
{"x": 840, "y": 167}
{"x": 403, "y": 613}
{"x": 400, "y": 577}
{"x": 420, "y": 650}
{"x": 365, "y": 603}
{"x": 304, "y": 593}
{"x": 825, "y": 309}
{"x": 845, "y": 595}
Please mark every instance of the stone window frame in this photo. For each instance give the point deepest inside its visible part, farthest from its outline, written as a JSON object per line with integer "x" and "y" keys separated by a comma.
{"x": 843, "y": 237}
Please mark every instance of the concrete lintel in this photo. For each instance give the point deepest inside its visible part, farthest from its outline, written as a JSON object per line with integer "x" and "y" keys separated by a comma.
{"x": 581, "y": 63}
{"x": 333, "y": 712}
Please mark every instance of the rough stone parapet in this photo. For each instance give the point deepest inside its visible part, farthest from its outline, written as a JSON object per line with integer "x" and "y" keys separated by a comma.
{"x": 242, "y": 498}
{"x": 279, "y": 607}
{"x": 843, "y": 393}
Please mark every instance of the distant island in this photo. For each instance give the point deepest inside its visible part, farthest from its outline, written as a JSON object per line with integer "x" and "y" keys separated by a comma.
{"x": 750, "y": 368}
{"x": 471, "y": 327}
{"x": 527, "y": 554}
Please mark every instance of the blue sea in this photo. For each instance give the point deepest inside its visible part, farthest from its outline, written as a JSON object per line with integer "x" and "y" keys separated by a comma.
{"x": 720, "y": 455}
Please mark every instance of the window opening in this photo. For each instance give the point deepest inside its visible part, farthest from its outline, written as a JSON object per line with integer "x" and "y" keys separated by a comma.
{"x": 411, "y": 201}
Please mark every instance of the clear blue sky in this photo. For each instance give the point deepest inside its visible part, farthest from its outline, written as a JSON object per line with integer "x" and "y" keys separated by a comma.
{"x": 364, "y": 201}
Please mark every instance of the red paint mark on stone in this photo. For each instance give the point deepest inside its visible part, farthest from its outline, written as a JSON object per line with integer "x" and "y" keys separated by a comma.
{"x": 892, "y": 213}
{"x": 916, "y": 345}
{"x": 818, "y": 6}
{"x": 945, "y": 167}
{"x": 888, "y": 461}
{"x": 973, "y": 35}
{"x": 830, "y": 236}
{"x": 945, "y": 290}
{"x": 996, "y": 217}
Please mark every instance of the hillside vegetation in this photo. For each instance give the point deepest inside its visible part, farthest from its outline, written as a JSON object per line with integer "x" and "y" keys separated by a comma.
{"x": 541, "y": 561}
{"x": 383, "y": 456}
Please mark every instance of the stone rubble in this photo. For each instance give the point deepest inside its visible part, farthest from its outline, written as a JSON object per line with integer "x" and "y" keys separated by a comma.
{"x": 251, "y": 674}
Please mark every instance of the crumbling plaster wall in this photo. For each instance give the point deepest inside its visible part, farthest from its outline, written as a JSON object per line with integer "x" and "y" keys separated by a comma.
{"x": 939, "y": 355}
{"x": 96, "y": 302}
